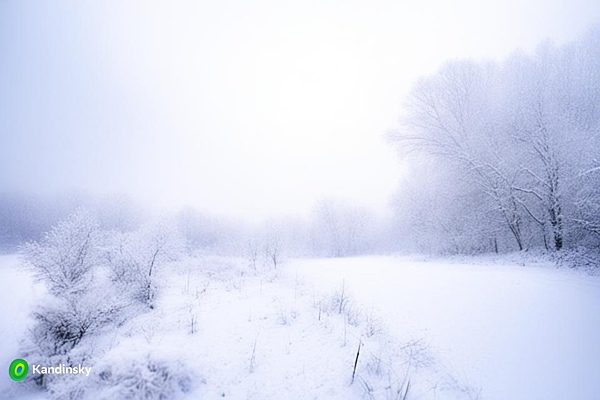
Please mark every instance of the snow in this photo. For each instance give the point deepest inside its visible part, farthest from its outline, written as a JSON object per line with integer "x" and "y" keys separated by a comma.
{"x": 513, "y": 332}
{"x": 233, "y": 313}
{"x": 18, "y": 293}
{"x": 457, "y": 330}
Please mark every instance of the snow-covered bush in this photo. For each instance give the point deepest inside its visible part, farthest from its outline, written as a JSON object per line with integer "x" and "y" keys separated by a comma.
{"x": 372, "y": 325}
{"x": 77, "y": 305}
{"x": 64, "y": 258}
{"x": 116, "y": 377}
{"x": 580, "y": 258}
{"x": 63, "y": 323}
{"x": 134, "y": 258}
{"x": 146, "y": 378}
{"x": 66, "y": 386}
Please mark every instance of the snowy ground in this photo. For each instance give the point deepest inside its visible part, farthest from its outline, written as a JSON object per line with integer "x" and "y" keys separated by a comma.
{"x": 18, "y": 293}
{"x": 513, "y": 332}
{"x": 457, "y": 331}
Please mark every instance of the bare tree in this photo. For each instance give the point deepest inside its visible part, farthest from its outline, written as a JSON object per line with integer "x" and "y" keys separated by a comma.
{"x": 448, "y": 119}
{"x": 525, "y": 133}
{"x": 339, "y": 229}
{"x": 77, "y": 305}
{"x": 64, "y": 258}
{"x": 135, "y": 256}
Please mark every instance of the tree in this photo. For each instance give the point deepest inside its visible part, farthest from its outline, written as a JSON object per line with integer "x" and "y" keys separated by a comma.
{"x": 451, "y": 118}
{"x": 134, "y": 258}
{"x": 64, "y": 258}
{"x": 524, "y": 133}
{"x": 77, "y": 305}
{"x": 339, "y": 229}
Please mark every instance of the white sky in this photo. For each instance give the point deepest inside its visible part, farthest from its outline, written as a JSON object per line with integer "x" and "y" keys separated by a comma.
{"x": 241, "y": 108}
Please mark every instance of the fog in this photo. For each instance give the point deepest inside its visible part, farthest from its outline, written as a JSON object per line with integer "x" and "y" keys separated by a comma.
{"x": 316, "y": 199}
{"x": 238, "y": 109}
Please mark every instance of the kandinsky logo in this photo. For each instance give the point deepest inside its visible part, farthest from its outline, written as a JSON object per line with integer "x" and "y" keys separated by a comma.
{"x": 18, "y": 369}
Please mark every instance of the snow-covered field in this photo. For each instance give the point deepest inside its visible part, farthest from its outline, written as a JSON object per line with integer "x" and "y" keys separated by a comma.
{"x": 18, "y": 293}
{"x": 513, "y": 332}
{"x": 456, "y": 331}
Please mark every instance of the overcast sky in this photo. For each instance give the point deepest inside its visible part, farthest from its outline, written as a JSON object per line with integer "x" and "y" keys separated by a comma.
{"x": 243, "y": 108}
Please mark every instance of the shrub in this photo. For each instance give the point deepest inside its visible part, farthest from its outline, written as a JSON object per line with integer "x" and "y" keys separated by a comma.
{"x": 62, "y": 325}
{"x": 78, "y": 305}
{"x": 135, "y": 257}
{"x": 146, "y": 378}
{"x": 64, "y": 258}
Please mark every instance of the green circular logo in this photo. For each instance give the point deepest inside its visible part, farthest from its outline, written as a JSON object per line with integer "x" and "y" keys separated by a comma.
{"x": 18, "y": 369}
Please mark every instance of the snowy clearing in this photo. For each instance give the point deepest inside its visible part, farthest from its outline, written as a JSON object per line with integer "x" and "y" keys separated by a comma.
{"x": 457, "y": 331}
{"x": 222, "y": 330}
{"x": 512, "y": 332}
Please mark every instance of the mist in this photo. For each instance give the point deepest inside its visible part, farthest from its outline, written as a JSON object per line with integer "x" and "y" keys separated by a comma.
{"x": 300, "y": 200}
{"x": 248, "y": 111}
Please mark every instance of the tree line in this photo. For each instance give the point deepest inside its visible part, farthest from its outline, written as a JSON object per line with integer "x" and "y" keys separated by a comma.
{"x": 505, "y": 155}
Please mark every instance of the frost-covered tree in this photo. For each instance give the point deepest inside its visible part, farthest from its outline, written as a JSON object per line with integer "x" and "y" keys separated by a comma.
{"x": 587, "y": 201}
{"x": 524, "y": 134}
{"x": 451, "y": 118}
{"x": 135, "y": 257}
{"x": 66, "y": 255}
{"x": 77, "y": 305}
{"x": 339, "y": 229}
{"x": 438, "y": 212}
